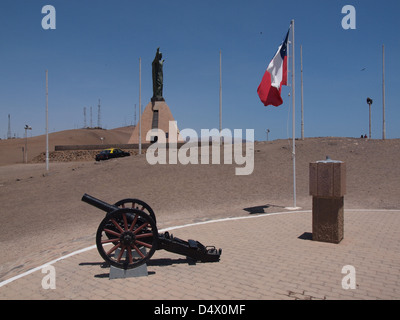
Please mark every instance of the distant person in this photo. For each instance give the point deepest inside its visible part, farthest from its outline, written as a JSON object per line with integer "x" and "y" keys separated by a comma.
{"x": 365, "y": 136}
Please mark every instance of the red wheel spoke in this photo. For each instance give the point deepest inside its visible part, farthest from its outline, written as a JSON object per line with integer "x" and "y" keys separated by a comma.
{"x": 113, "y": 248}
{"x": 138, "y": 251}
{"x": 125, "y": 221}
{"x": 144, "y": 244}
{"x": 144, "y": 225}
{"x": 127, "y": 237}
{"x": 128, "y": 249}
{"x": 120, "y": 254}
{"x": 143, "y": 235}
{"x": 112, "y": 232}
{"x": 109, "y": 240}
{"x": 133, "y": 223}
{"x": 117, "y": 225}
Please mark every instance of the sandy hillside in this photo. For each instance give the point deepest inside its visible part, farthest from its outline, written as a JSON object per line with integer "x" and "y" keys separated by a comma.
{"x": 42, "y": 215}
{"x": 11, "y": 150}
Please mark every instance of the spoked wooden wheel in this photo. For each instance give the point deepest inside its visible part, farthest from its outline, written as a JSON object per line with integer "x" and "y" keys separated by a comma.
{"x": 127, "y": 238}
{"x": 136, "y": 204}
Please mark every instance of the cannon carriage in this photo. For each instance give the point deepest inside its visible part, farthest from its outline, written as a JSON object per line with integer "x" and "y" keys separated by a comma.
{"x": 127, "y": 237}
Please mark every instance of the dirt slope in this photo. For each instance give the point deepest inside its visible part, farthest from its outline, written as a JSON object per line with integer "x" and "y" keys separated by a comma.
{"x": 42, "y": 215}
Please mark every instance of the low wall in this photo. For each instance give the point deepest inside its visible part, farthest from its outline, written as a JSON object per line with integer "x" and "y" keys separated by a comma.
{"x": 98, "y": 147}
{"x": 107, "y": 146}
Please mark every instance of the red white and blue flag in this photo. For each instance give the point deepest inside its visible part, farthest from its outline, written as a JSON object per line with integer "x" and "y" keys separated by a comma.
{"x": 274, "y": 77}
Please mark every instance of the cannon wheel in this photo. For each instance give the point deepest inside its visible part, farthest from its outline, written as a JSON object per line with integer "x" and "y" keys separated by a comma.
{"x": 129, "y": 244}
{"x": 136, "y": 204}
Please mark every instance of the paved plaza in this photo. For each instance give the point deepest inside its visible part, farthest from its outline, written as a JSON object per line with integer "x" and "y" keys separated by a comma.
{"x": 264, "y": 257}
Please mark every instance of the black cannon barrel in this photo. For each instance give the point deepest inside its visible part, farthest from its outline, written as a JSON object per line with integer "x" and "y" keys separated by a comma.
{"x": 98, "y": 203}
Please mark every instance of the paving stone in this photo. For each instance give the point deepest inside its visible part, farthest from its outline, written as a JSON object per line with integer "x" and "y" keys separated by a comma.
{"x": 263, "y": 257}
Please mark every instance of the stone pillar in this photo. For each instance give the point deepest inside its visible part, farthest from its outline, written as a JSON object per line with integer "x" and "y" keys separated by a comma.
{"x": 328, "y": 187}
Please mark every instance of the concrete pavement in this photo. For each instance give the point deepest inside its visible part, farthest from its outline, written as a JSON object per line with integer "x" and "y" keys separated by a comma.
{"x": 266, "y": 256}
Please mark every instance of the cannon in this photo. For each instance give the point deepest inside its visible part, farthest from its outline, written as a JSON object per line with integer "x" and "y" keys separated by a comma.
{"x": 127, "y": 237}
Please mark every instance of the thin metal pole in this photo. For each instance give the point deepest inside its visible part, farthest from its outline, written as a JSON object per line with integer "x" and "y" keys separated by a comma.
{"x": 302, "y": 105}
{"x": 47, "y": 122}
{"x": 9, "y": 127}
{"x": 140, "y": 105}
{"x": 134, "y": 120}
{"x": 220, "y": 91}
{"x": 369, "y": 120}
{"x": 383, "y": 93}
{"x": 26, "y": 145}
{"x": 99, "y": 116}
{"x": 293, "y": 120}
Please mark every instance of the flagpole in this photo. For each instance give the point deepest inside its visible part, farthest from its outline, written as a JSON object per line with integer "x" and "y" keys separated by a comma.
{"x": 140, "y": 106}
{"x": 383, "y": 93}
{"x": 293, "y": 119}
{"x": 47, "y": 122}
{"x": 220, "y": 91}
{"x": 273, "y": 97}
{"x": 302, "y": 104}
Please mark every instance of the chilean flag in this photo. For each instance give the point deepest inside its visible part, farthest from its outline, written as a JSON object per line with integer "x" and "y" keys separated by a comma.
{"x": 274, "y": 77}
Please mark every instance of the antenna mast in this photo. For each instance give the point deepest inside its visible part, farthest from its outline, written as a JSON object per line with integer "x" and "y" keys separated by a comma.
{"x": 84, "y": 118}
{"x": 98, "y": 117}
{"x": 9, "y": 127}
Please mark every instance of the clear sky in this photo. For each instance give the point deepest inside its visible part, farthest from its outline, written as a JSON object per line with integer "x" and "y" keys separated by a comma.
{"x": 94, "y": 54}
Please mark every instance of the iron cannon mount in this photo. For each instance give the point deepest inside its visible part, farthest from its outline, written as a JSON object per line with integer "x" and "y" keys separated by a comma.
{"x": 127, "y": 237}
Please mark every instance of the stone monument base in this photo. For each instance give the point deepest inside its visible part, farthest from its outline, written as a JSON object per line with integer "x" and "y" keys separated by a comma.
{"x": 156, "y": 115}
{"x": 117, "y": 273}
{"x": 328, "y": 219}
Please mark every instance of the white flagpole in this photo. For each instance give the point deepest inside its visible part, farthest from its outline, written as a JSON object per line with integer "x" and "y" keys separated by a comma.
{"x": 47, "y": 122}
{"x": 383, "y": 93}
{"x": 220, "y": 91}
{"x": 140, "y": 106}
{"x": 293, "y": 120}
{"x": 302, "y": 100}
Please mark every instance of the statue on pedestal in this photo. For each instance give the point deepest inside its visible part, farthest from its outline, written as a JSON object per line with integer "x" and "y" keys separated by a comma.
{"x": 157, "y": 71}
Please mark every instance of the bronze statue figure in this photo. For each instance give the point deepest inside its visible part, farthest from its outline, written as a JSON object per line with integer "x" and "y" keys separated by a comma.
{"x": 157, "y": 70}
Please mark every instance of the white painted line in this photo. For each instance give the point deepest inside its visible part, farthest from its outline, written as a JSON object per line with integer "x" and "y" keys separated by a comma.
{"x": 373, "y": 210}
{"x": 3, "y": 283}
{"x": 231, "y": 219}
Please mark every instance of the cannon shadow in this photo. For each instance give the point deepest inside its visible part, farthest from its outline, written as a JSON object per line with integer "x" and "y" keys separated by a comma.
{"x": 160, "y": 262}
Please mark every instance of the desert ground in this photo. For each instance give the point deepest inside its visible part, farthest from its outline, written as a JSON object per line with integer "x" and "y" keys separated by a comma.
{"x": 42, "y": 216}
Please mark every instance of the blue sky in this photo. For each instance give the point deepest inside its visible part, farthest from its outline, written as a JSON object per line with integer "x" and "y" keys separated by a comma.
{"x": 94, "y": 54}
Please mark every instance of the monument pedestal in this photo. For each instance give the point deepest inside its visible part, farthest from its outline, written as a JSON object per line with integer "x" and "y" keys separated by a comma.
{"x": 156, "y": 115}
{"x": 328, "y": 187}
{"x": 328, "y": 219}
{"x": 118, "y": 273}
